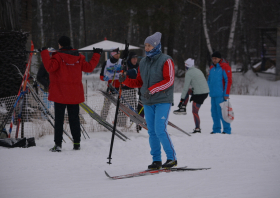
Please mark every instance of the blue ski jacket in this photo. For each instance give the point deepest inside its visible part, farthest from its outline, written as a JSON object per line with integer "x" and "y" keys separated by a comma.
{"x": 218, "y": 81}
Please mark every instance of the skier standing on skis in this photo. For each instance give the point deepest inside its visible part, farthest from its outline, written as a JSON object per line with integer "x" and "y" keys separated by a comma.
{"x": 219, "y": 82}
{"x": 156, "y": 79}
{"x": 196, "y": 79}
{"x": 66, "y": 88}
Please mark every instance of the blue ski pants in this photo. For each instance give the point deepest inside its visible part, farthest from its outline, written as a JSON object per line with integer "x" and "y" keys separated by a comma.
{"x": 157, "y": 120}
{"x": 216, "y": 112}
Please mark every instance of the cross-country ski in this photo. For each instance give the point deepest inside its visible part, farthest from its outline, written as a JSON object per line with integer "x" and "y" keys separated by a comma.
{"x": 152, "y": 172}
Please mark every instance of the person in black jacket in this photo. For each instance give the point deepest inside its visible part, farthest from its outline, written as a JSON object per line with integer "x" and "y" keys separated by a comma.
{"x": 43, "y": 78}
{"x": 132, "y": 70}
{"x": 43, "y": 75}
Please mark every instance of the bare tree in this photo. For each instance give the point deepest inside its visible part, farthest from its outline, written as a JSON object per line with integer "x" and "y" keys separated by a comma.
{"x": 130, "y": 26}
{"x": 232, "y": 30}
{"x": 70, "y": 22}
{"x": 205, "y": 27}
{"x": 41, "y": 22}
{"x": 81, "y": 23}
{"x": 9, "y": 17}
{"x": 245, "y": 55}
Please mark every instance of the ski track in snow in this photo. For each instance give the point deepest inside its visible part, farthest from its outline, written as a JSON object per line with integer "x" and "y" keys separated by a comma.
{"x": 243, "y": 164}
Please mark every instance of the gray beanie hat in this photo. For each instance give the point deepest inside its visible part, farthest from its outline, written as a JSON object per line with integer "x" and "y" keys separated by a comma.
{"x": 154, "y": 39}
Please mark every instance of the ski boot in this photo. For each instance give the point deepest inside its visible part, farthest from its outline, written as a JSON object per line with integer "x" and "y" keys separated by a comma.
{"x": 155, "y": 165}
{"x": 56, "y": 148}
{"x": 169, "y": 164}
{"x": 77, "y": 146}
{"x": 225, "y": 133}
{"x": 181, "y": 111}
{"x": 196, "y": 131}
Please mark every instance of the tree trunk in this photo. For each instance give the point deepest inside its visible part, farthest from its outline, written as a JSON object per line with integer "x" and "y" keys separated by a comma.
{"x": 130, "y": 27}
{"x": 232, "y": 31}
{"x": 85, "y": 30}
{"x": 81, "y": 23}
{"x": 246, "y": 57}
{"x": 10, "y": 17}
{"x": 203, "y": 54}
{"x": 205, "y": 28}
{"x": 171, "y": 33}
{"x": 41, "y": 23}
{"x": 70, "y": 22}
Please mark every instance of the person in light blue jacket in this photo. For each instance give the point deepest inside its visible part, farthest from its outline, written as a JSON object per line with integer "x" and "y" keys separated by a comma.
{"x": 219, "y": 82}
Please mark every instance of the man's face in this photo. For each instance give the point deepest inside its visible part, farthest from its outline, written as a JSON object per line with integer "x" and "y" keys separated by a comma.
{"x": 133, "y": 60}
{"x": 215, "y": 60}
{"x": 59, "y": 46}
{"x": 116, "y": 56}
{"x": 148, "y": 47}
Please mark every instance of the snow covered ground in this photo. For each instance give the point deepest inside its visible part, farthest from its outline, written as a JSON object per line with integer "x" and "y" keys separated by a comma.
{"x": 244, "y": 164}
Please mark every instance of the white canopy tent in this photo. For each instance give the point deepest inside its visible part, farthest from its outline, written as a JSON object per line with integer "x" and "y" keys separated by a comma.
{"x": 106, "y": 45}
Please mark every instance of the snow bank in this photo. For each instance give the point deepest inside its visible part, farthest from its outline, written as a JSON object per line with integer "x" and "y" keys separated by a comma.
{"x": 244, "y": 164}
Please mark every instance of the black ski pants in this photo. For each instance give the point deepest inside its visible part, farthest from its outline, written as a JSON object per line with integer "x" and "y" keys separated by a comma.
{"x": 74, "y": 122}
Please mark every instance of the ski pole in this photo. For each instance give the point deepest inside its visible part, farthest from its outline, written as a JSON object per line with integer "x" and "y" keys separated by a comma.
{"x": 117, "y": 110}
{"x": 57, "y": 50}
{"x": 114, "y": 128}
{"x": 84, "y": 128}
{"x": 83, "y": 133}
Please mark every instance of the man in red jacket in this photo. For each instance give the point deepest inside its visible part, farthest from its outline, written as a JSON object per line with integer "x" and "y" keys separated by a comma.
{"x": 66, "y": 88}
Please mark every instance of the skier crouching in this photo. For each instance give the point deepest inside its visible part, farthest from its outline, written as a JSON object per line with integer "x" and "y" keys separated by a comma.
{"x": 156, "y": 78}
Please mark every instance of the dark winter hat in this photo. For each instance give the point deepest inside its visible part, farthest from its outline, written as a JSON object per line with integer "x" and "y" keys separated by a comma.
{"x": 131, "y": 55}
{"x": 217, "y": 54}
{"x": 154, "y": 39}
{"x": 64, "y": 41}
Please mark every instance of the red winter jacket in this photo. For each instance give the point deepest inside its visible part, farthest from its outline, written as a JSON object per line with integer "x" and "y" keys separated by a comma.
{"x": 65, "y": 72}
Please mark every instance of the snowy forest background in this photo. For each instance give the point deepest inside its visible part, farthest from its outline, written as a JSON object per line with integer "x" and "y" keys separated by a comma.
{"x": 190, "y": 28}
{"x": 180, "y": 21}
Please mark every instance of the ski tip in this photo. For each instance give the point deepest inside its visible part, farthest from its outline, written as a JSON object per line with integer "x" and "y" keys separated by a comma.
{"x": 107, "y": 174}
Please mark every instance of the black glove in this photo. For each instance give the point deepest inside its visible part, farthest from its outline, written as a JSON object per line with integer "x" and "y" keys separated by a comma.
{"x": 125, "y": 52}
{"x": 41, "y": 49}
{"x": 122, "y": 77}
{"x": 112, "y": 90}
{"x": 181, "y": 103}
{"x": 147, "y": 94}
{"x": 97, "y": 50}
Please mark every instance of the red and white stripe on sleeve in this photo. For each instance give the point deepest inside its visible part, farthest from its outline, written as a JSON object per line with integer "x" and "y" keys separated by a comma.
{"x": 168, "y": 78}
